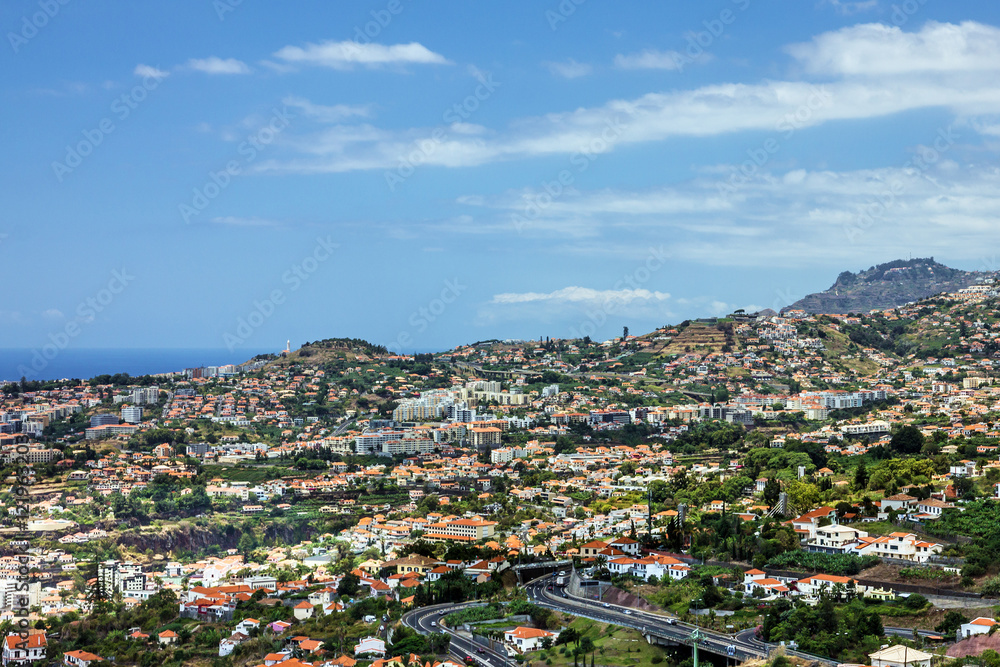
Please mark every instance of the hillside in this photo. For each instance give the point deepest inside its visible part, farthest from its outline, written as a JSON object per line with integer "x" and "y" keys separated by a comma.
{"x": 886, "y": 286}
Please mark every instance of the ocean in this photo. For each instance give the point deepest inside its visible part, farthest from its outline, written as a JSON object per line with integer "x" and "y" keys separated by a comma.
{"x": 85, "y": 363}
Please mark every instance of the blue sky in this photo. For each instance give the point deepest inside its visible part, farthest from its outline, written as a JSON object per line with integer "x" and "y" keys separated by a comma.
{"x": 235, "y": 174}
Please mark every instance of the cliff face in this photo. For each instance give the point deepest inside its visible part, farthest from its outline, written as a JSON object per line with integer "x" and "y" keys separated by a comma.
{"x": 886, "y": 286}
{"x": 190, "y": 537}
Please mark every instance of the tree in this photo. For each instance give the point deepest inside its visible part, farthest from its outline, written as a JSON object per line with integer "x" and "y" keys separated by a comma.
{"x": 349, "y": 585}
{"x": 568, "y": 636}
{"x": 861, "y": 477}
{"x": 952, "y": 621}
{"x": 907, "y": 440}
{"x": 772, "y": 490}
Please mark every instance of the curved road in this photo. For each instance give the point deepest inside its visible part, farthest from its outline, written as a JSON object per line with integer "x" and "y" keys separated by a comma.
{"x": 427, "y": 620}
{"x": 543, "y": 591}
{"x": 742, "y": 646}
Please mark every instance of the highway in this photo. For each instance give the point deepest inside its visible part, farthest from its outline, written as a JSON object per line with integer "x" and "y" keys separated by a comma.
{"x": 543, "y": 591}
{"x": 741, "y": 646}
{"x": 428, "y": 619}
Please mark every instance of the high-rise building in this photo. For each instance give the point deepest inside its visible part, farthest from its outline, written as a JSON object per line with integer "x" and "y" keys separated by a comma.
{"x": 103, "y": 420}
{"x": 131, "y": 414}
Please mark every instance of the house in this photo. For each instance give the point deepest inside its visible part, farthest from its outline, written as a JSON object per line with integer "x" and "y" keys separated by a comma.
{"x": 246, "y": 625}
{"x": 418, "y": 564}
{"x": 592, "y": 549}
{"x": 805, "y": 526}
{"x": 834, "y": 539}
{"x": 812, "y": 586}
{"x": 626, "y": 544}
{"x": 18, "y": 650}
{"x": 342, "y": 661}
{"x": 883, "y": 594}
{"x": 167, "y": 637}
{"x": 527, "y": 639}
{"x": 767, "y": 586}
{"x": 900, "y": 502}
{"x": 229, "y": 644}
{"x": 901, "y": 546}
{"x": 370, "y": 646}
{"x": 80, "y": 658}
{"x": 900, "y": 656}
{"x": 277, "y": 627}
{"x": 303, "y": 610}
{"x": 977, "y": 626}
{"x": 931, "y": 509}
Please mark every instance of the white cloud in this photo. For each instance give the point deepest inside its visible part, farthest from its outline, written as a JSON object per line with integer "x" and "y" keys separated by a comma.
{"x": 874, "y": 49}
{"x": 347, "y": 54}
{"x": 569, "y": 69}
{"x": 848, "y": 8}
{"x": 53, "y": 314}
{"x": 581, "y": 295}
{"x": 215, "y": 65}
{"x": 150, "y": 71}
{"x": 326, "y": 114}
{"x": 652, "y": 59}
{"x": 770, "y": 106}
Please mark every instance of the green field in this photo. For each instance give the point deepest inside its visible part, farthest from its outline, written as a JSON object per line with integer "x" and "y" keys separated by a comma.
{"x": 614, "y": 645}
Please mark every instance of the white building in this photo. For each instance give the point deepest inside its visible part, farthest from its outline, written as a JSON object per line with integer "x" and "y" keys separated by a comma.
{"x": 131, "y": 414}
{"x": 18, "y": 650}
{"x": 528, "y": 639}
{"x": 977, "y": 626}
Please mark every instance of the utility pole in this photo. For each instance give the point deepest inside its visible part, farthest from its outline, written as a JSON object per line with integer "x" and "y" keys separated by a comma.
{"x": 696, "y": 637}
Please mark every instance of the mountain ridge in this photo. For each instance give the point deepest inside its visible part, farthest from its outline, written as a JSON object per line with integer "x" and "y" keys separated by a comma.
{"x": 887, "y": 285}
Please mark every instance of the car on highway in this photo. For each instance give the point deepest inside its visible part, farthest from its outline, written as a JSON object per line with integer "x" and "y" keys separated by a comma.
{"x": 434, "y": 624}
{"x": 628, "y": 613}
{"x": 469, "y": 660}
{"x": 671, "y": 621}
{"x": 606, "y": 605}
{"x": 480, "y": 650}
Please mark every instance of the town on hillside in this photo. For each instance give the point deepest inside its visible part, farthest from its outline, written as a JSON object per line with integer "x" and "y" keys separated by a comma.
{"x": 793, "y": 488}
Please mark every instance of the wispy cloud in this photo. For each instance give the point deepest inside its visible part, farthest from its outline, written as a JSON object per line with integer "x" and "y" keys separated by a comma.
{"x": 348, "y": 54}
{"x": 149, "y": 70}
{"x": 874, "y": 49}
{"x": 652, "y": 59}
{"x": 576, "y": 294}
{"x": 849, "y": 7}
{"x": 215, "y": 65}
{"x": 569, "y": 69}
{"x": 326, "y": 114}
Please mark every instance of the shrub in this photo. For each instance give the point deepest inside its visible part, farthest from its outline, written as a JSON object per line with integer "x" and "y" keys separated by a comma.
{"x": 991, "y": 587}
